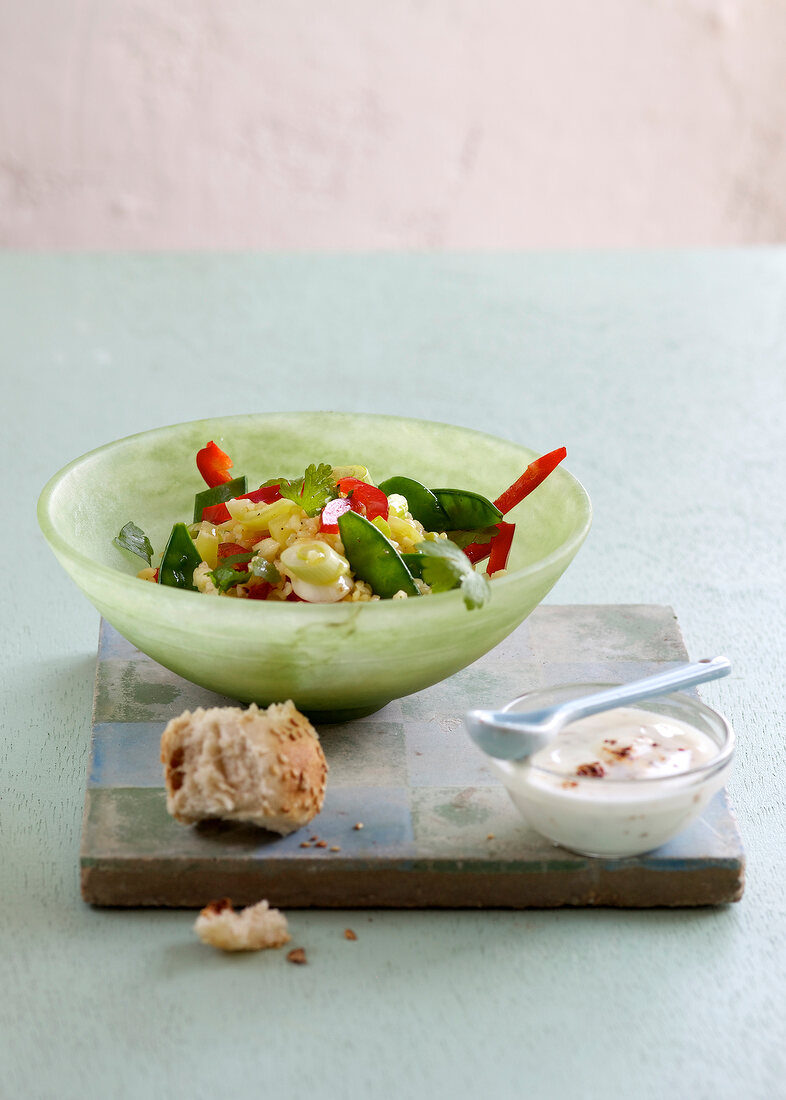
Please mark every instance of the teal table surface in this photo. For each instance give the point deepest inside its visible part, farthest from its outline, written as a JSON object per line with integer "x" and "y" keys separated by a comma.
{"x": 665, "y": 376}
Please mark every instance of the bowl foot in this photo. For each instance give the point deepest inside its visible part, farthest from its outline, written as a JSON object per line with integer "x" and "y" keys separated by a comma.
{"x": 348, "y": 714}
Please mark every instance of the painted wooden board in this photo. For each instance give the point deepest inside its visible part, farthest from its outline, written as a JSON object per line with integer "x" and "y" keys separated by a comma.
{"x": 438, "y": 828}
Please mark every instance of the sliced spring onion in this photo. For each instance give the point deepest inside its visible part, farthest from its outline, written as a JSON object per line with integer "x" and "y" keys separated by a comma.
{"x": 314, "y": 561}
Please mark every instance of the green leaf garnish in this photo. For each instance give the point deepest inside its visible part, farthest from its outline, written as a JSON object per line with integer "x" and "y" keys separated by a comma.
{"x": 133, "y": 538}
{"x": 265, "y": 569}
{"x": 445, "y": 566}
{"x": 313, "y": 490}
{"x": 225, "y": 576}
{"x": 236, "y": 559}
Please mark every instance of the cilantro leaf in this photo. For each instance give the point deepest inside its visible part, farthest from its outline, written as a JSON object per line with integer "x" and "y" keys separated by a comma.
{"x": 133, "y": 538}
{"x": 445, "y": 566}
{"x": 313, "y": 490}
{"x": 225, "y": 576}
{"x": 237, "y": 559}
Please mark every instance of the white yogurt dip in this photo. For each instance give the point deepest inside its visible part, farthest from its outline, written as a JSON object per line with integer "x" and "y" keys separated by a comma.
{"x": 627, "y": 743}
{"x": 619, "y": 783}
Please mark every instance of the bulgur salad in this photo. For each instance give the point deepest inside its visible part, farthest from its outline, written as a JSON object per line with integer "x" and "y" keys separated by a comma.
{"x": 332, "y": 535}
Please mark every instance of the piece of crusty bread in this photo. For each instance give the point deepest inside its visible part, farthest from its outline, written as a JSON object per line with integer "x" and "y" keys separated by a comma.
{"x": 251, "y": 929}
{"x": 261, "y": 766}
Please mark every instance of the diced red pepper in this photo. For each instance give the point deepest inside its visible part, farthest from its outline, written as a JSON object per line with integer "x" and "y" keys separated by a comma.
{"x": 214, "y": 465}
{"x": 478, "y": 551}
{"x": 266, "y": 495}
{"x": 219, "y": 513}
{"x": 367, "y": 500}
{"x": 259, "y": 591}
{"x": 500, "y": 547}
{"x": 330, "y": 513}
{"x": 536, "y": 472}
{"x": 155, "y": 576}
{"x": 229, "y": 549}
{"x": 215, "y": 514}
{"x": 294, "y": 598}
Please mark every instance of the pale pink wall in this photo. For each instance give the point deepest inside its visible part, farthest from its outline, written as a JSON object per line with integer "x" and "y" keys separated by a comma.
{"x": 361, "y": 124}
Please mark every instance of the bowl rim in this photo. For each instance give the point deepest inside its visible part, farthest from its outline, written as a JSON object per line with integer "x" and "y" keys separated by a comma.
{"x": 701, "y": 771}
{"x": 61, "y": 545}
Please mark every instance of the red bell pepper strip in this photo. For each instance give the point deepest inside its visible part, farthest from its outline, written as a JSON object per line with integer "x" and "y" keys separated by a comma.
{"x": 214, "y": 465}
{"x": 330, "y": 513}
{"x": 478, "y": 551}
{"x": 500, "y": 547}
{"x": 367, "y": 500}
{"x": 219, "y": 513}
{"x": 536, "y": 472}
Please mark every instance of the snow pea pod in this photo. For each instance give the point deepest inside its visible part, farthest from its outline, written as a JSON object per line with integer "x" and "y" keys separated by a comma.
{"x": 180, "y": 560}
{"x": 219, "y": 494}
{"x": 373, "y": 558}
{"x": 414, "y": 563}
{"x": 465, "y": 510}
{"x": 422, "y": 504}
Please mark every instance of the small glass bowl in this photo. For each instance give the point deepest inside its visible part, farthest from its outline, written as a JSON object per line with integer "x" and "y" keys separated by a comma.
{"x": 615, "y": 818}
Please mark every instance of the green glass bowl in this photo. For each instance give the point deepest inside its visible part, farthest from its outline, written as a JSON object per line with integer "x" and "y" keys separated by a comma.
{"x": 334, "y": 660}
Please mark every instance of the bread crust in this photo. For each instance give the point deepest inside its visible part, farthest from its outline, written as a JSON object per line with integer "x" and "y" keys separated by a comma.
{"x": 265, "y": 767}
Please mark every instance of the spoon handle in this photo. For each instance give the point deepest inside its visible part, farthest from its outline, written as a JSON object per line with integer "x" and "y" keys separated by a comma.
{"x": 662, "y": 682}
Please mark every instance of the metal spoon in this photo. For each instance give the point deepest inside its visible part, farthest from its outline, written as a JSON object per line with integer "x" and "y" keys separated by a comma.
{"x": 514, "y": 735}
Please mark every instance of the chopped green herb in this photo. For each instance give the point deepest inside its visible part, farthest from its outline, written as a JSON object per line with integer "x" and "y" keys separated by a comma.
{"x": 133, "y": 538}
{"x": 237, "y": 559}
{"x": 313, "y": 490}
{"x": 445, "y": 566}
{"x": 264, "y": 569}
{"x": 225, "y": 576}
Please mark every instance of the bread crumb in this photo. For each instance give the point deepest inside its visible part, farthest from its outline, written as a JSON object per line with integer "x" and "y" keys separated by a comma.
{"x": 358, "y": 825}
{"x": 335, "y": 848}
{"x": 349, "y": 934}
{"x": 321, "y": 844}
{"x": 489, "y": 836}
{"x": 297, "y": 955}
{"x": 251, "y": 929}
{"x": 223, "y": 763}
